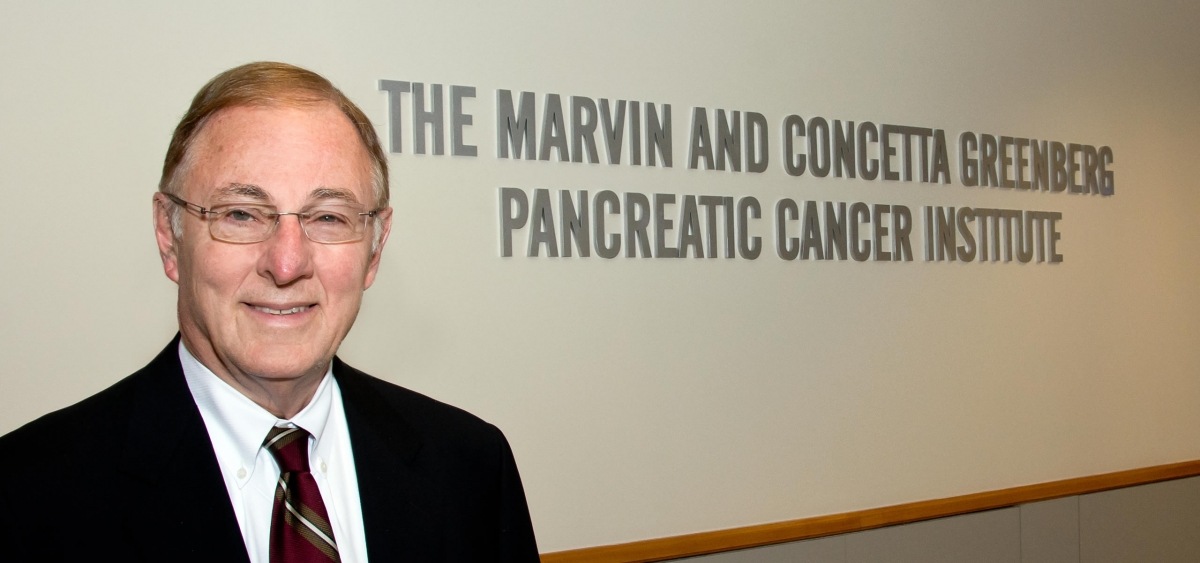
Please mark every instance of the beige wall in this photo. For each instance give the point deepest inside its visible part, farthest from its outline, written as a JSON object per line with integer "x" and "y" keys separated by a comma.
{"x": 646, "y": 398}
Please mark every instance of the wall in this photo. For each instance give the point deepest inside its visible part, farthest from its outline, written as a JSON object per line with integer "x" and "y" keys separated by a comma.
{"x": 648, "y": 398}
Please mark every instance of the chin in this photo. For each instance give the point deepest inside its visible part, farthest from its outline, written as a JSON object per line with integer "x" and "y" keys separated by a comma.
{"x": 283, "y": 361}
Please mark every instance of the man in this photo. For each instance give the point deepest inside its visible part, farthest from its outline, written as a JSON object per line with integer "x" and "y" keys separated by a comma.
{"x": 246, "y": 439}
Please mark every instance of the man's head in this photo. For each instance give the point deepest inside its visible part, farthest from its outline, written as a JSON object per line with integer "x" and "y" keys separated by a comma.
{"x": 270, "y": 136}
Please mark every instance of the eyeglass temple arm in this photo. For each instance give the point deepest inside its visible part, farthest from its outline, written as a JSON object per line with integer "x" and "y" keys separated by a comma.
{"x": 186, "y": 204}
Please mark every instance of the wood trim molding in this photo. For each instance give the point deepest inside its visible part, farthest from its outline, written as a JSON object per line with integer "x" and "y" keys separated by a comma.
{"x": 779, "y": 532}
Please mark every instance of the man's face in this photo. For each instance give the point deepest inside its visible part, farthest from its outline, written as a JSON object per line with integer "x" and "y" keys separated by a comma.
{"x": 231, "y": 295}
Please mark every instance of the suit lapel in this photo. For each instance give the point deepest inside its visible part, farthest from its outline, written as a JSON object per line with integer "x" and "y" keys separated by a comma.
{"x": 179, "y": 509}
{"x": 399, "y": 526}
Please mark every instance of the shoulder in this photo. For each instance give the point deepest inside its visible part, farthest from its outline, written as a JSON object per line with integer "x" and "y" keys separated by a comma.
{"x": 93, "y": 421}
{"x": 95, "y": 424}
{"x": 428, "y": 417}
{"x": 454, "y": 472}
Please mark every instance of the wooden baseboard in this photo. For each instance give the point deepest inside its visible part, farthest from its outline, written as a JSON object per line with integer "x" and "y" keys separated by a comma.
{"x": 806, "y": 528}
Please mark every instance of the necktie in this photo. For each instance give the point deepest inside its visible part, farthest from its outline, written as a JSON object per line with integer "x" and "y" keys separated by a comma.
{"x": 300, "y": 530}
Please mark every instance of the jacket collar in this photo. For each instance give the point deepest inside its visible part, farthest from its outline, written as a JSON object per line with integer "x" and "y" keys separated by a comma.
{"x": 360, "y": 392}
{"x": 163, "y": 411}
{"x": 398, "y": 515}
{"x": 176, "y": 500}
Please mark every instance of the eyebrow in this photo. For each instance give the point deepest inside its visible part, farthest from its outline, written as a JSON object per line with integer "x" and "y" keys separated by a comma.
{"x": 236, "y": 191}
{"x": 243, "y": 190}
{"x": 333, "y": 193}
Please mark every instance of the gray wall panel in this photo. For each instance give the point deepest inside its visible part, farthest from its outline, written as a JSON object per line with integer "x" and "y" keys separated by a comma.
{"x": 823, "y": 550}
{"x": 1158, "y": 523}
{"x": 984, "y": 537}
{"x": 1050, "y": 531}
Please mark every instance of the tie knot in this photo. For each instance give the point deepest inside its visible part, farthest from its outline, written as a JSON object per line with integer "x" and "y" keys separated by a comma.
{"x": 289, "y": 446}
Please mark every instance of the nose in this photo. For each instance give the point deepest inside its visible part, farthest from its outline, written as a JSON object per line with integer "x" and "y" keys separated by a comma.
{"x": 288, "y": 254}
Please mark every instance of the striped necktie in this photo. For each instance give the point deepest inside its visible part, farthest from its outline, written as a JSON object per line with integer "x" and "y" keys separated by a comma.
{"x": 300, "y": 529}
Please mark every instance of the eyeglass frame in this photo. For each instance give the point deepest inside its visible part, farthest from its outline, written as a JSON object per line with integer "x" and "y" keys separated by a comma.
{"x": 205, "y": 212}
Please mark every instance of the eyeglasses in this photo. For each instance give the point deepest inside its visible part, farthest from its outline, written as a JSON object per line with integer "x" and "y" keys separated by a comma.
{"x": 326, "y": 223}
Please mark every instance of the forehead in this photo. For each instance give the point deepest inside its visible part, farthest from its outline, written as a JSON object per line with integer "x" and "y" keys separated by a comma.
{"x": 289, "y": 152}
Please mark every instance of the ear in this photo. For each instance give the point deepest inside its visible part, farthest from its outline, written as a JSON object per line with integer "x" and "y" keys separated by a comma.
{"x": 385, "y": 217}
{"x": 165, "y": 235}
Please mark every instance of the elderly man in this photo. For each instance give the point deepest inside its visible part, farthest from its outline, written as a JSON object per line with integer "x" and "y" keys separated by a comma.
{"x": 247, "y": 439}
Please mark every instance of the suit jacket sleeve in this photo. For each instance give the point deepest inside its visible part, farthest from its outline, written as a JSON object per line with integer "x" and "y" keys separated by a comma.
{"x": 517, "y": 542}
{"x": 8, "y": 531}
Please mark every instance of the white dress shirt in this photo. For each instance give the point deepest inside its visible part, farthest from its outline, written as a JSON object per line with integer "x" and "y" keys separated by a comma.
{"x": 237, "y": 427}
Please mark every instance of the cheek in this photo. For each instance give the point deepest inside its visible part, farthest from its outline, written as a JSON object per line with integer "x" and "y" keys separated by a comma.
{"x": 341, "y": 275}
{"x": 218, "y": 271}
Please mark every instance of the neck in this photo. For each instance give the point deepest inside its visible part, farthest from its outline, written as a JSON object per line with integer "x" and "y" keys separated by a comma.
{"x": 283, "y": 397}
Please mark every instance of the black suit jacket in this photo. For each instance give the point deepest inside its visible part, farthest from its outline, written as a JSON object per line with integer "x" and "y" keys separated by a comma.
{"x": 130, "y": 474}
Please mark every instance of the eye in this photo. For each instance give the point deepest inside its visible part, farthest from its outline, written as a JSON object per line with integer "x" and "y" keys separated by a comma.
{"x": 329, "y": 218}
{"x": 240, "y": 215}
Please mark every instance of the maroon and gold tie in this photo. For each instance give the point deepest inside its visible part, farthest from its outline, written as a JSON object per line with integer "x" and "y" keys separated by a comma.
{"x": 300, "y": 529}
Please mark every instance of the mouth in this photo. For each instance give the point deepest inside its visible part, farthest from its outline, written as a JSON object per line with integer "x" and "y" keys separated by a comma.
{"x": 282, "y": 312}
{"x": 292, "y": 311}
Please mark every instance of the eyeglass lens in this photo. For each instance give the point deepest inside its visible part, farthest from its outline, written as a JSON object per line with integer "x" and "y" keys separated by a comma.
{"x": 251, "y": 223}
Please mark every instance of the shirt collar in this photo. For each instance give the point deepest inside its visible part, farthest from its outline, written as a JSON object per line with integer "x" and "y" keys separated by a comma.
{"x": 242, "y": 421}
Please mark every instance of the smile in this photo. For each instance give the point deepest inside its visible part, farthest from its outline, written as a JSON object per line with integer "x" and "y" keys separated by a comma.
{"x": 291, "y": 311}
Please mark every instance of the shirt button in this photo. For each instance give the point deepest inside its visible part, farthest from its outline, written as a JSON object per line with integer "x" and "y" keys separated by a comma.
{"x": 242, "y": 473}
{"x": 324, "y": 469}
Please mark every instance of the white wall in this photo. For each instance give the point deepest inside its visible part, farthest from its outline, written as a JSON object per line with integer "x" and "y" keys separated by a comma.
{"x": 647, "y": 398}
